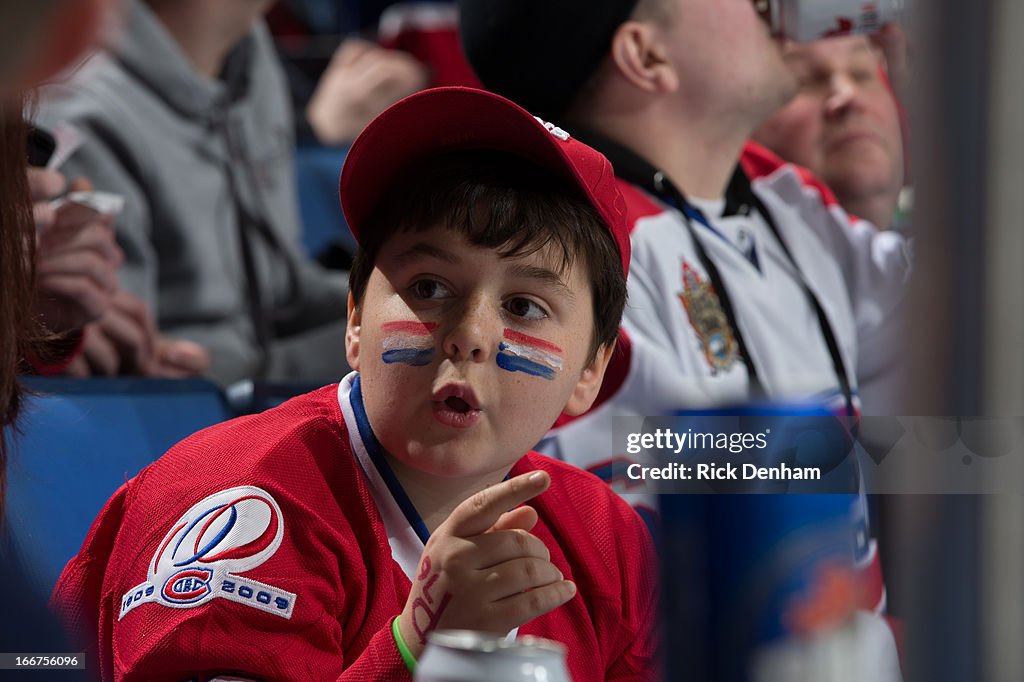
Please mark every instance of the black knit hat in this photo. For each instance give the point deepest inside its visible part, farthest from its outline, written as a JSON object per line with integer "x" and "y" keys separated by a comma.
{"x": 539, "y": 53}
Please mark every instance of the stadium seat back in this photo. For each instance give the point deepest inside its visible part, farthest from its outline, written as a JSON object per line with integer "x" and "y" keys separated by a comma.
{"x": 78, "y": 441}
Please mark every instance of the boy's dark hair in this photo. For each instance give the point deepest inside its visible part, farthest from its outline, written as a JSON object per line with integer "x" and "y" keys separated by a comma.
{"x": 503, "y": 202}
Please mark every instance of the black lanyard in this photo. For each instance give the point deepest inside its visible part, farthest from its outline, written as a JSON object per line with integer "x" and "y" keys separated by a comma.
{"x": 740, "y": 198}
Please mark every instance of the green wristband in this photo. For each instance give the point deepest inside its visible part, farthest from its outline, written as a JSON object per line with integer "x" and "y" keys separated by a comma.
{"x": 403, "y": 649}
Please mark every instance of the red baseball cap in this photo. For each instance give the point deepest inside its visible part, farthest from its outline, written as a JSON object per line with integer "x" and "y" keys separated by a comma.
{"x": 455, "y": 119}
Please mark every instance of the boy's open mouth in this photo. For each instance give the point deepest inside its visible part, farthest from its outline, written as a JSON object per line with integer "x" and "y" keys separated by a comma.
{"x": 457, "y": 405}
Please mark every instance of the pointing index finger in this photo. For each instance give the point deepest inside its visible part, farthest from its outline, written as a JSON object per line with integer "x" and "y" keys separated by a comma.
{"x": 478, "y": 513}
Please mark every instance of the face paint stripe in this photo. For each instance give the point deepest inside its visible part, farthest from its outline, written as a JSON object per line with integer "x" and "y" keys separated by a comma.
{"x": 399, "y": 342}
{"x": 526, "y": 339}
{"x": 534, "y": 354}
{"x": 408, "y": 342}
{"x": 514, "y": 363}
{"x": 410, "y": 356}
{"x": 528, "y": 354}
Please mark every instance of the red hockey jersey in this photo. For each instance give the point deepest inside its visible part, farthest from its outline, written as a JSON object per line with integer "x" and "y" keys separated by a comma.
{"x": 277, "y": 546}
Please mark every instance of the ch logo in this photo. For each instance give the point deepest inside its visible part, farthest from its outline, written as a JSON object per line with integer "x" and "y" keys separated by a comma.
{"x": 203, "y": 554}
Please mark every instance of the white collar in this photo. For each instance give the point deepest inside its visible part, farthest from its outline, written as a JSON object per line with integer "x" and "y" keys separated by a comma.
{"x": 406, "y": 545}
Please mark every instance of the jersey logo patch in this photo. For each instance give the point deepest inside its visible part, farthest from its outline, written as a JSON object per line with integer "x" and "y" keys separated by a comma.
{"x": 708, "y": 319}
{"x": 199, "y": 559}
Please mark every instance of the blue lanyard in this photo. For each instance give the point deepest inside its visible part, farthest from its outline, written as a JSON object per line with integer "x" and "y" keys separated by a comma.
{"x": 740, "y": 196}
{"x": 376, "y": 453}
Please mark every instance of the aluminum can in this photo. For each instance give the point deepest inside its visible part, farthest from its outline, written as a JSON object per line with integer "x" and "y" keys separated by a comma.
{"x": 808, "y": 20}
{"x": 470, "y": 656}
{"x": 765, "y": 587}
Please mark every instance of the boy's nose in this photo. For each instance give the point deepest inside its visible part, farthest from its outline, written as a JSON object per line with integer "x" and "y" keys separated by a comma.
{"x": 475, "y": 334}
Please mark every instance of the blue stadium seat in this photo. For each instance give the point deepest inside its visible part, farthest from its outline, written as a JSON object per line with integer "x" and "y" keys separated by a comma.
{"x": 323, "y": 224}
{"x": 78, "y": 441}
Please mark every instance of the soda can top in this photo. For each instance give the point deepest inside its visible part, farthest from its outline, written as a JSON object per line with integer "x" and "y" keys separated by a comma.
{"x": 810, "y": 20}
{"x": 527, "y": 646}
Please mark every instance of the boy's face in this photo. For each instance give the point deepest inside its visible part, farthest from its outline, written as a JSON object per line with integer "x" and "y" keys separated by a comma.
{"x": 467, "y": 358}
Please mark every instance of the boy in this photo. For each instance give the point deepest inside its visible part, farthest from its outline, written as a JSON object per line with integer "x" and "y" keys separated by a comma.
{"x": 485, "y": 300}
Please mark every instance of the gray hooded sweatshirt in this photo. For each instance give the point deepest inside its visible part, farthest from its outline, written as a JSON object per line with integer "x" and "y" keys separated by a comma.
{"x": 210, "y": 228}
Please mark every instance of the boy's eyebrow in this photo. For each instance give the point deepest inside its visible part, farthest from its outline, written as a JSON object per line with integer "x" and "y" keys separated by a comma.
{"x": 421, "y": 249}
{"x": 545, "y": 275}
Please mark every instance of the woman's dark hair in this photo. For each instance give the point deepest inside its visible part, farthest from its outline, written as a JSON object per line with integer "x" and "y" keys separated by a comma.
{"x": 506, "y": 203}
{"x": 19, "y": 332}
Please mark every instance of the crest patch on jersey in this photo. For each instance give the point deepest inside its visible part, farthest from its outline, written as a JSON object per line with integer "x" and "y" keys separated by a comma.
{"x": 201, "y": 556}
{"x": 708, "y": 319}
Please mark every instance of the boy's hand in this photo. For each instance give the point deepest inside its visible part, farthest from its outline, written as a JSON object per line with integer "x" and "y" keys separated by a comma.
{"x": 482, "y": 569}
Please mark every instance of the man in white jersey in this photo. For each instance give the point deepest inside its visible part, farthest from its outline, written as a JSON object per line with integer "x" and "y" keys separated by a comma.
{"x": 747, "y": 280}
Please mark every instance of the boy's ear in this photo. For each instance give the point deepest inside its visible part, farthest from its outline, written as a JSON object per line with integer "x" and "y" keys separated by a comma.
{"x": 640, "y": 56}
{"x": 589, "y": 384}
{"x": 352, "y": 331}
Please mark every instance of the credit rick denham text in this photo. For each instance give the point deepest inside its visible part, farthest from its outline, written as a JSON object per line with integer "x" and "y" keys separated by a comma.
{"x": 666, "y": 440}
{"x": 721, "y": 472}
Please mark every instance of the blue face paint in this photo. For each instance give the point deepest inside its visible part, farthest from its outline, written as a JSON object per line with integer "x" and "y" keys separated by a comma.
{"x": 408, "y": 343}
{"x": 523, "y": 353}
